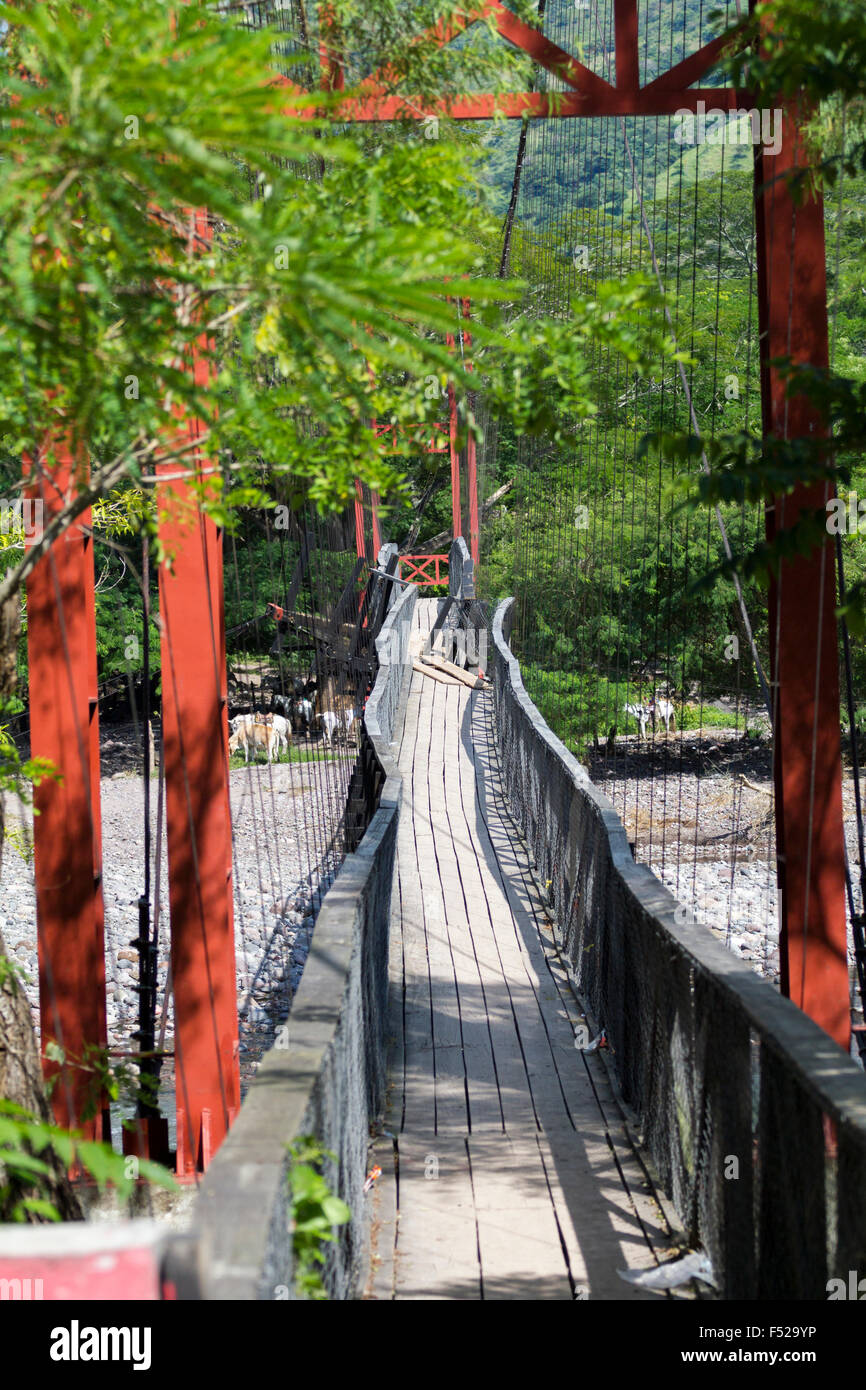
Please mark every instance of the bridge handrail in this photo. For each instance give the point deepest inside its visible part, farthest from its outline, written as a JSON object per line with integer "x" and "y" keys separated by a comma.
{"x": 461, "y": 571}
{"x": 750, "y": 1113}
{"x": 392, "y": 650}
{"x": 328, "y": 1081}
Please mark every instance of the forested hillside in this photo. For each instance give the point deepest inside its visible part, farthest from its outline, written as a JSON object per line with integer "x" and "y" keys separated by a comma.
{"x": 669, "y": 31}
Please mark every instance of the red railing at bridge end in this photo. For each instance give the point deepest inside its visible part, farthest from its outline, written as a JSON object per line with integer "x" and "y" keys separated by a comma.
{"x": 420, "y": 569}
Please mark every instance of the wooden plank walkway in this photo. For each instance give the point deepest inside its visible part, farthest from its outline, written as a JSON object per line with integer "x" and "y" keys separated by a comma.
{"x": 507, "y": 1170}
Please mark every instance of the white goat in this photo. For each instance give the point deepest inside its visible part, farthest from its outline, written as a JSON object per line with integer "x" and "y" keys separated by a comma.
{"x": 642, "y": 714}
{"x": 283, "y": 730}
{"x": 343, "y": 713}
{"x": 665, "y": 710}
{"x": 329, "y": 725}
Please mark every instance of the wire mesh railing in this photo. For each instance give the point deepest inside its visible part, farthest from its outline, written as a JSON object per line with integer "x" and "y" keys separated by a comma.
{"x": 753, "y": 1118}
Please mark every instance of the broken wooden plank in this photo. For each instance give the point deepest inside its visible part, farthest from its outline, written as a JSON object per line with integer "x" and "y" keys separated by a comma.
{"x": 448, "y": 668}
{"x": 434, "y": 674}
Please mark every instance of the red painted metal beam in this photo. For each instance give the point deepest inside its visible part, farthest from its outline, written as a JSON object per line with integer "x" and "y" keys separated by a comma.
{"x": 198, "y": 828}
{"x": 360, "y": 539}
{"x": 333, "y": 76}
{"x": 374, "y": 518}
{"x": 804, "y": 646}
{"x": 419, "y": 569}
{"x": 627, "y": 56}
{"x": 198, "y": 823}
{"x": 456, "y": 513}
{"x": 472, "y": 489}
{"x": 691, "y": 69}
{"x": 649, "y": 101}
{"x": 67, "y": 833}
{"x": 547, "y": 54}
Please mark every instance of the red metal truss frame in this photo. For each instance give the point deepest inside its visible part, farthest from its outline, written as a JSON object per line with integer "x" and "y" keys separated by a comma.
{"x": 587, "y": 94}
{"x": 392, "y": 432}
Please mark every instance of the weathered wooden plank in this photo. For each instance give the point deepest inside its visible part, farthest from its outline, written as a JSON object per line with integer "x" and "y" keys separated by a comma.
{"x": 489, "y": 1009}
{"x": 418, "y": 1060}
{"x": 447, "y": 1100}
{"x": 396, "y": 995}
{"x": 559, "y": 1086}
{"x": 432, "y": 674}
{"x": 485, "y": 1110}
{"x": 479, "y": 942}
{"x": 449, "y": 669}
{"x": 593, "y": 1108}
{"x": 499, "y": 959}
{"x": 600, "y": 1227}
{"x": 521, "y": 1252}
{"x": 437, "y": 1243}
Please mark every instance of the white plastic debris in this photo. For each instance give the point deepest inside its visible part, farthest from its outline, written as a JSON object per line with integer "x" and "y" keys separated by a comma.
{"x": 600, "y": 1041}
{"x": 695, "y": 1265}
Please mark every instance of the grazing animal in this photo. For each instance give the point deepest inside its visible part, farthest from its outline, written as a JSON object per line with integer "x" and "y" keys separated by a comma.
{"x": 282, "y": 728}
{"x": 665, "y": 710}
{"x": 304, "y": 707}
{"x": 642, "y": 714}
{"x": 338, "y": 714}
{"x": 329, "y": 722}
{"x": 284, "y": 704}
{"x": 344, "y": 708}
{"x": 239, "y": 719}
{"x": 297, "y": 706}
{"x": 255, "y": 736}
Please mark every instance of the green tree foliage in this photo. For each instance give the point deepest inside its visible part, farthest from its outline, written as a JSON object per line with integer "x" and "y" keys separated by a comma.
{"x": 316, "y": 300}
{"x": 640, "y": 597}
{"x": 812, "y": 56}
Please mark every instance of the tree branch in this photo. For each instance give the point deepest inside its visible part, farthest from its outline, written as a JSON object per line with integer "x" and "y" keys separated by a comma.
{"x": 442, "y": 537}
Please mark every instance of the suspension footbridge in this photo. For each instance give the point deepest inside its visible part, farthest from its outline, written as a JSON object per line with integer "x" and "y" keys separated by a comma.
{"x": 531, "y": 957}
{"x": 509, "y": 1174}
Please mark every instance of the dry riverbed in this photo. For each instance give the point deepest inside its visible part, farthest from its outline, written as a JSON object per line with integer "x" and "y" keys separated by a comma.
{"x": 698, "y": 807}
{"x": 286, "y": 821}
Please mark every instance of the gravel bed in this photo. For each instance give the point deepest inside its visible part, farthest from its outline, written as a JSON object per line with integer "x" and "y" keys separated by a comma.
{"x": 286, "y": 821}
{"x": 698, "y": 807}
